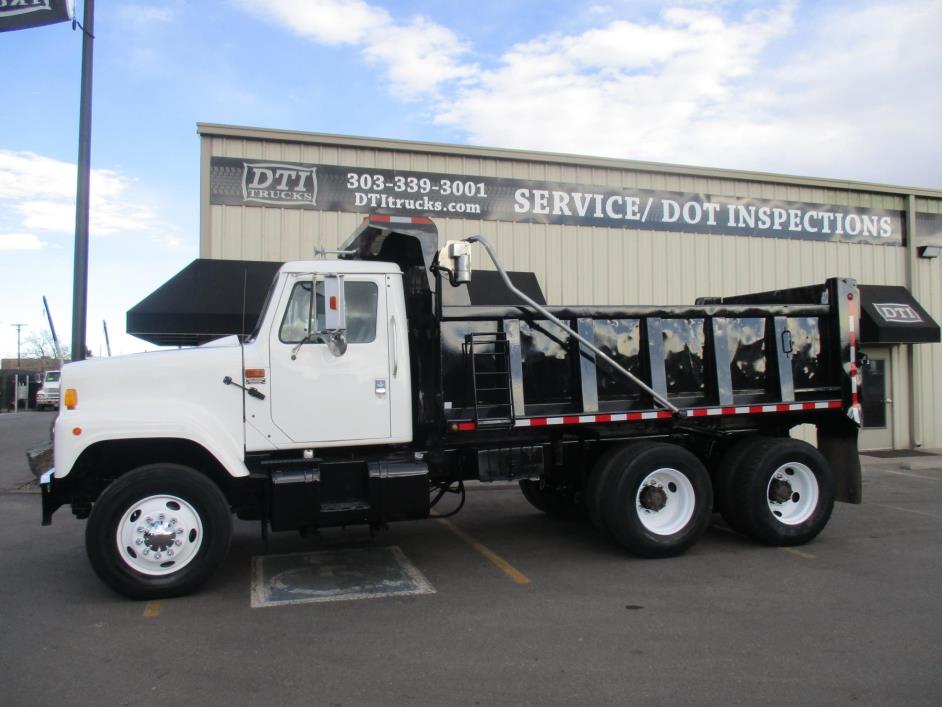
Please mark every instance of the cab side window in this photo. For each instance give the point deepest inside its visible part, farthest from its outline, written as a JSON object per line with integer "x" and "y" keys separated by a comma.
{"x": 361, "y": 300}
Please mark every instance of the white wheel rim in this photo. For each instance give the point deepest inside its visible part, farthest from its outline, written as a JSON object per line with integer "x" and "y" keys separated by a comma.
{"x": 665, "y": 501}
{"x": 159, "y": 535}
{"x": 792, "y": 493}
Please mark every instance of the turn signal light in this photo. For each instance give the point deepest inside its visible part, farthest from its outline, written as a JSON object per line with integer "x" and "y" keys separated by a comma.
{"x": 70, "y": 398}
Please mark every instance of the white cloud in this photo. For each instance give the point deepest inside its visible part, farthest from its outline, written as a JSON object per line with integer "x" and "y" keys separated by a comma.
{"x": 137, "y": 14}
{"x": 418, "y": 55}
{"x": 625, "y": 89}
{"x": 844, "y": 90}
{"x": 37, "y": 193}
{"x": 20, "y": 241}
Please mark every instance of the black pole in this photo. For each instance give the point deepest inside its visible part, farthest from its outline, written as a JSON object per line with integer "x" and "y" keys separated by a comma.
{"x": 80, "y": 272}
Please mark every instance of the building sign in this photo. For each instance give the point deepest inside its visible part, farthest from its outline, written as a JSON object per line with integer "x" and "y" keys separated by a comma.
{"x": 22, "y": 14}
{"x": 279, "y": 183}
{"x": 240, "y": 182}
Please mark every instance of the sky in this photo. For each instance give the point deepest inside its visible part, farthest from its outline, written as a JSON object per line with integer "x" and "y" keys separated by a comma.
{"x": 847, "y": 90}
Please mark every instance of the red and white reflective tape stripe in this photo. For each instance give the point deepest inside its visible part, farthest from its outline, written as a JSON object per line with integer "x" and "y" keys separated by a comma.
{"x": 751, "y": 409}
{"x": 592, "y": 419}
{"x": 661, "y": 414}
{"x": 385, "y": 218}
{"x": 852, "y": 329}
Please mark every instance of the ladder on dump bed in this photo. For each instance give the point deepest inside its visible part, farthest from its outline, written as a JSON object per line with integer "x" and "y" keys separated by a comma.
{"x": 489, "y": 353}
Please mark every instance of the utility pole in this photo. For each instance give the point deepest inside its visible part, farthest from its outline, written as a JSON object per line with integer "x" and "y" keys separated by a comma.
{"x": 18, "y": 327}
{"x": 16, "y": 376}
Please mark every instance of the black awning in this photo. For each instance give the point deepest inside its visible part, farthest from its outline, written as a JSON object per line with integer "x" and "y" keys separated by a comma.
{"x": 891, "y": 315}
{"x": 203, "y": 302}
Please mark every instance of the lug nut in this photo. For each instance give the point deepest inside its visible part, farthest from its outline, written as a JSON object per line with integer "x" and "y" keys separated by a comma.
{"x": 139, "y": 541}
{"x": 178, "y": 543}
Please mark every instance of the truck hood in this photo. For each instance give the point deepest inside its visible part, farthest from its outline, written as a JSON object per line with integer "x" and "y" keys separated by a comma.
{"x": 181, "y": 374}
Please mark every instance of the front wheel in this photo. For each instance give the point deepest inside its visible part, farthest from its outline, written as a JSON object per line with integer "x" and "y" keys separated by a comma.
{"x": 158, "y": 531}
{"x": 656, "y": 498}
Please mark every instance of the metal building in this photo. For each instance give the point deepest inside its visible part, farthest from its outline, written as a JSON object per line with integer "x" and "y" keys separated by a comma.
{"x": 604, "y": 231}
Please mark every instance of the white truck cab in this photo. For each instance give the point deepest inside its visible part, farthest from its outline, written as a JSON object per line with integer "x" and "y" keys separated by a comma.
{"x": 286, "y": 388}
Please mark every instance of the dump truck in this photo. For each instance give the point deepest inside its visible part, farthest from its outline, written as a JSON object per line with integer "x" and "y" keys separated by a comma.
{"x": 374, "y": 386}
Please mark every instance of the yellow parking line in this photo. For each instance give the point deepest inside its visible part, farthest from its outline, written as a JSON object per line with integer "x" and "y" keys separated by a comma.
{"x": 908, "y": 510}
{"x": 799, "y": 553}
{"x": 508, "y": 569}
{"x": 152, "y": 610}
{"x": 912, "y": 476}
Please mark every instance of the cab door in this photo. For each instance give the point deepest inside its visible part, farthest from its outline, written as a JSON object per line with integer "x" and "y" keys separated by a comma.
{"x": 319, "y": 398}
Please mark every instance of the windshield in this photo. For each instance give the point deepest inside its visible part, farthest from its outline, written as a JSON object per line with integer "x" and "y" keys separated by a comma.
{"x": 52, "y": 377}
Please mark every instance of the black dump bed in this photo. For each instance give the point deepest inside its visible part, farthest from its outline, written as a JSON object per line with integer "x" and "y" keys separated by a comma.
{"x": 784, "y": 351}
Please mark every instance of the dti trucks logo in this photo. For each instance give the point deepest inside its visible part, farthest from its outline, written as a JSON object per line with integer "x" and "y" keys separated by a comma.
{"x": 279, "y": 183}
{"x": 898, "y": 313}
{"x": 21, "y": 7}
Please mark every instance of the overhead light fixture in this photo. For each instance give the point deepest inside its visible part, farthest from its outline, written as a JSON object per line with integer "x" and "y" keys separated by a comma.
{"x": 930, "y": 251}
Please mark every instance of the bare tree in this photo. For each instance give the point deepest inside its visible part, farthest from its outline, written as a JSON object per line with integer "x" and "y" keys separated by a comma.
{"x": 40, "y": 345}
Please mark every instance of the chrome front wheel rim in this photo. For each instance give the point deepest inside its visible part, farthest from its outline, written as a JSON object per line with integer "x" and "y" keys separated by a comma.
{"x": 159, "y": 535}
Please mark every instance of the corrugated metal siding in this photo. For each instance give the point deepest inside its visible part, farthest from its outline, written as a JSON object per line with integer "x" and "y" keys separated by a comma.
{"x": 927, "y": 288}
{"x": 589, "y": 265}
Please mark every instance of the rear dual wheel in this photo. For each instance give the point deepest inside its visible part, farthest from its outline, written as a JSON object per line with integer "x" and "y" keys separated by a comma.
{"x": 781, "y": 493}
{"x": 778, "y": 491}
{"x": 654, "y": 499}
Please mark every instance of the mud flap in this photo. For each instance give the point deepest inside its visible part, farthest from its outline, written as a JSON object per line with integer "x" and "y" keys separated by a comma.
{"x": 837, "y": 441}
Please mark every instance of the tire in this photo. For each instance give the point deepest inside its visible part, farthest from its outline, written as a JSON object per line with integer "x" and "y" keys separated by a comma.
{"x": 784, "y": 492}
{"x": 557, "y": 503}
{"x": 724, "y": 478}
{"x": 656, "y": 499}
{"x": 159, "y": 531}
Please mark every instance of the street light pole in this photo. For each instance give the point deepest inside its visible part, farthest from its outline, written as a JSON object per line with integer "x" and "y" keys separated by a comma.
{"x": 80, "y": 270}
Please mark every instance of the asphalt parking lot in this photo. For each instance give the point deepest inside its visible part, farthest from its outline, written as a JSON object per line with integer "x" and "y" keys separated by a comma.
{"x": 523, "y": 610}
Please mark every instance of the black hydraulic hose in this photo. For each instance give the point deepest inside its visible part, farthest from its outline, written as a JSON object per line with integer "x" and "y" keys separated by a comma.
{"x": 446, "y": 488}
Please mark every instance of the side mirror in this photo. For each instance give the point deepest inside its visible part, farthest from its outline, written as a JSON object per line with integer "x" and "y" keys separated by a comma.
{"x": 330, "y": 313}
{"x": 336, "y": 342}
{"x": 455, "y": 257}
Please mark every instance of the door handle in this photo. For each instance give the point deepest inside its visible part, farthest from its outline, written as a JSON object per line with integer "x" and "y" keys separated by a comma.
{"x": 394, "y": 332}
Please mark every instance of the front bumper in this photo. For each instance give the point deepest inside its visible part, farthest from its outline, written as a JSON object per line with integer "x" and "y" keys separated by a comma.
{"x": 51, "y": 501}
